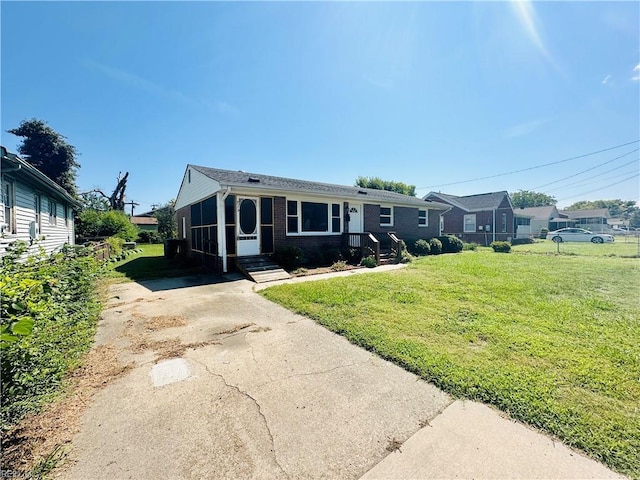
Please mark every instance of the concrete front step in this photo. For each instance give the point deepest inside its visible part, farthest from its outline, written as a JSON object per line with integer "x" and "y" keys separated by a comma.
{"x": 260, "y": 269}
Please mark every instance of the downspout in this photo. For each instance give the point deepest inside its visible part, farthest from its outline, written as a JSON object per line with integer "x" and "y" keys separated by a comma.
{"x": 494, "y": 225}
{"x": 441, "y": 220}
{"x": 222, "y": 237}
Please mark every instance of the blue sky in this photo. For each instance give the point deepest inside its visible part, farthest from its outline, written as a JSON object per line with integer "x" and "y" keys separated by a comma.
{"x": 431, "y": 94}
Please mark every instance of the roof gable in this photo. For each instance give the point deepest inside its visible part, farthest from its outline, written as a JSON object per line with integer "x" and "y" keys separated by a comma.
{"x": 473, "y": 203}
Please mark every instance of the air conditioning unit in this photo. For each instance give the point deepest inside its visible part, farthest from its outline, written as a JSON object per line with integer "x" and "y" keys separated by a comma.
{"x": 34, "y": 230}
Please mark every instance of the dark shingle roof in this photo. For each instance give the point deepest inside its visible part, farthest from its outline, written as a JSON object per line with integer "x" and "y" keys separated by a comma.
{"x": 268, "y": 182}
{"x": 470, "y": 203}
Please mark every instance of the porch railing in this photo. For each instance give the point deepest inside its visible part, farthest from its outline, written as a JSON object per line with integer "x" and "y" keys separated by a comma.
{"x": 367, "y": 243}
{"x": 395, "y": 245}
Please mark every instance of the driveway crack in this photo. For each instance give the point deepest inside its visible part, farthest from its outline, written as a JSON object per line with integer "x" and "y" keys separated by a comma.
{"x": 309, "y": 374}
{"x": 257, "y": 404}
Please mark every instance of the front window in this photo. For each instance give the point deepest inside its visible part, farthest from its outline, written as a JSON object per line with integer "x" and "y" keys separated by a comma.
{"x": 386, "y": 216}
{"x": 53, "y": 212}
{"x": 38, "y": 207}
{"x": 470, "y": 223}
{"x": 423, "y": 218}
{"x": 504, "y": 223}
{"x": 7, "y": 200}
{"x": 313, "y": 217}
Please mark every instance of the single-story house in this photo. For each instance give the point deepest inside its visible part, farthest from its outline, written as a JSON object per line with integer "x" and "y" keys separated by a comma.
{"x": 224, "y": 214}
{"x": 145, "y": 223}
{"x": 481, "y": 218}
{"x": 544, "y": 217}
{"x": 33, "y": 207}
{"x": 595, "y": 220}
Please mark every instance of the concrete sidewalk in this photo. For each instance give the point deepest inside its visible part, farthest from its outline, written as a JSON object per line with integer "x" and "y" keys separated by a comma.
{"x": 260, "y": 392}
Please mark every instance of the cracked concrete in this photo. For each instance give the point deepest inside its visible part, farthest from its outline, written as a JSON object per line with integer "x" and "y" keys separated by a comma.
{"x": 283, "y": 398}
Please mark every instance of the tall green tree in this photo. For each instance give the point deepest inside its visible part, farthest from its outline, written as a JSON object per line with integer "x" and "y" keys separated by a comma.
{"x": 389, "y": 185}
{"x": 617, "y": 208}
{"x": 529, "y": 198}
{"x": 49, "y": 152}
{"x": 167, "y": 222}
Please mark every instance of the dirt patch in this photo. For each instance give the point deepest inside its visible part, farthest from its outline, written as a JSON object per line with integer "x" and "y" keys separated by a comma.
{"x": 165, "y": 349}
{"x": 154, "y": 324}
{"x": 39, "y": 436}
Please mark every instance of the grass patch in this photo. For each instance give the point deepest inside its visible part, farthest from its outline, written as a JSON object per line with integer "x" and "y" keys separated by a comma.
{"x": 149, "y": 264}
{"x": 551, "y": 340}
{"x": 626, "y": 247}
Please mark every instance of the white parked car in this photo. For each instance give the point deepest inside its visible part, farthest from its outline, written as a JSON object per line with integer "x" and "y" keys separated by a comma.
{"x": 578, "y": 235}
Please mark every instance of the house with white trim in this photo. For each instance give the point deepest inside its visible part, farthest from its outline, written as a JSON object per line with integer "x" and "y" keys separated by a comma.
{"x": 33, "y": 207}
{"x": 224, "y": 215}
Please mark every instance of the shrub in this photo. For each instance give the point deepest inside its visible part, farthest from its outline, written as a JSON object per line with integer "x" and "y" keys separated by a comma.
{"x": 115, "y": 246}
{"x": 48, "y": 313}
{"x": 339, "y": 266}
{"x": 145, "y": 236}
{"x": 450, "y": 244}
{"x": 470, "y": 246}
{"x": 289, "y": 257}
{"x": 436, "y": 246}
{"x": 403, "y": 255}
{"x": 522, "y": 241}
{"x": 352, "y": 255}
{"x": 369, "y": 262}
{"x": 422, "y": 247}
{"x": 501, "y": 247}
{"x": 543, "y": 233}
{"x": 92, "y": 223}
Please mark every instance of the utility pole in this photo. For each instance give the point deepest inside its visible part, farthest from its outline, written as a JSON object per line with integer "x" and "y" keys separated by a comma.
{"x": 133, "y": 204}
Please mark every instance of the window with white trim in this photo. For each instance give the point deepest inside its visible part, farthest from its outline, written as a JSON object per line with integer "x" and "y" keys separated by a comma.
{"x": 7, "y": 200}
{"x": 386, "y": 216}
{"x": 423, "y": 218}
{"x": 37, "y": 200}
{"x": 308, "y": 218}
{"x": 470, "y": 223}
{"x": 53, "y": 212}
{"x": 504, "y": 223}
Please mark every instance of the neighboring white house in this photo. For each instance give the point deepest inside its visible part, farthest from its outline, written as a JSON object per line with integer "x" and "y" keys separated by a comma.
{"x": 33, "y": 208}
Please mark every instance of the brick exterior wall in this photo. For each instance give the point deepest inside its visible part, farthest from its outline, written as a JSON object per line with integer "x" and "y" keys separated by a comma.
{"x": 405, "y": 223}
{"x": 306, "y": 243}
{"x": 454, "y": 225}
{"x": 186, "y": 213}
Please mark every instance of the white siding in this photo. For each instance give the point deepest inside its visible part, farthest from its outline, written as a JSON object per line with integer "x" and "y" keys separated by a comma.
{"x": 195, "y": 187}
{"x": 52, "y": 237}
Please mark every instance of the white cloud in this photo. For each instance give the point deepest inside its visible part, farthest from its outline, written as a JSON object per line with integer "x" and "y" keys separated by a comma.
{"x": 636, "y": 69}
{"x": 524, "y": 128}
{"x": 606, "y": 79}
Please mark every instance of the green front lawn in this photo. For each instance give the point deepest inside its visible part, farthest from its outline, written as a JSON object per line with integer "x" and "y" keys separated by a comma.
{"x": 551, "y": 340}
{"x": 622, "y": 247}
{"x": 149, "y": 264}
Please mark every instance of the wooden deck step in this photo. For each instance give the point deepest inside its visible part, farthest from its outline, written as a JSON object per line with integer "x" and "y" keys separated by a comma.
{"x": 260, "y": 269}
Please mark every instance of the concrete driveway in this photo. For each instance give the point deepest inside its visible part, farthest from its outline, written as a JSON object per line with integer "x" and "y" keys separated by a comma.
{"x": 225, "y": 384}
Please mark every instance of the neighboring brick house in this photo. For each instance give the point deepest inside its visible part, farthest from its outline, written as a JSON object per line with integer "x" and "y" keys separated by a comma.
{"x": 33, "y": 207}
{"x": 225, "y": 214}
{"x": 481, "y": 219}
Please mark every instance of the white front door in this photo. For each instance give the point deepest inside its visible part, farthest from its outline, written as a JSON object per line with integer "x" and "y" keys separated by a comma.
{"x": 247, "y": 226}
{"x": 355, "y": 218}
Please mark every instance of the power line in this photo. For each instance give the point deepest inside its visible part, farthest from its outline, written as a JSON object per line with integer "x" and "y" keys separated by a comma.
{"x": 601, "y": 188}
{"x": 582, "y": 183}
{"x": 589, "y": 169}
{"x": 532, "y": 168}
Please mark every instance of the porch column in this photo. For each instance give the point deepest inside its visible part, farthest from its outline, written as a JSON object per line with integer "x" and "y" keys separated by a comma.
{"x": 222, "y": 234}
